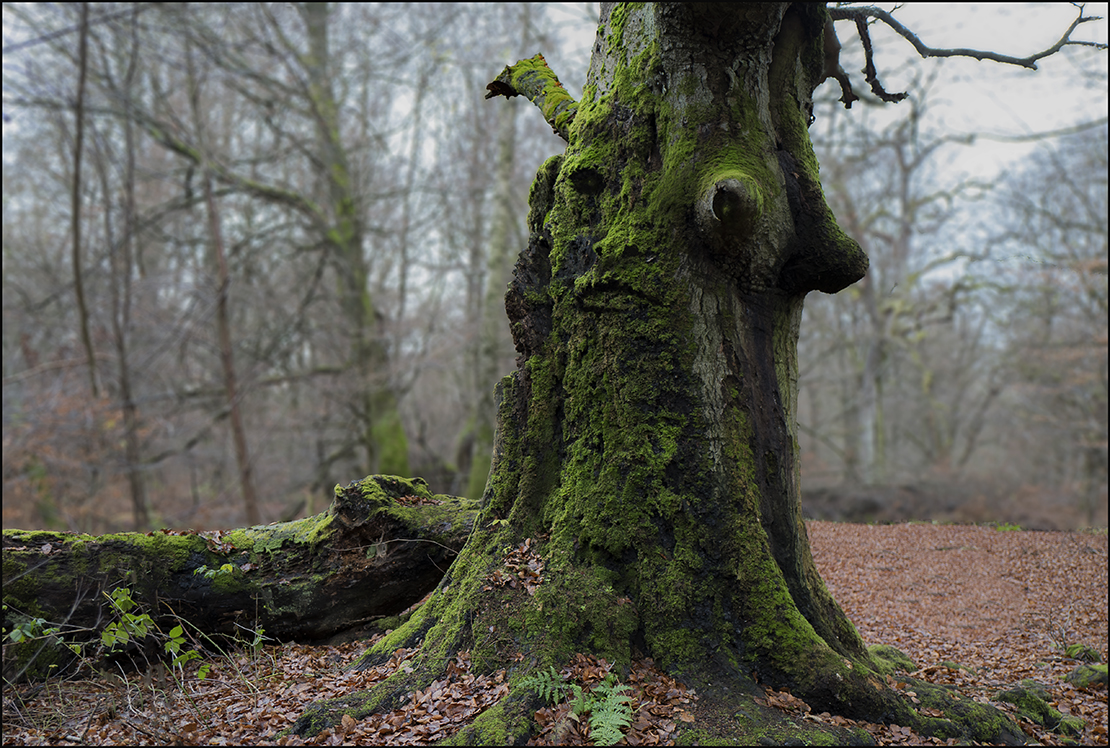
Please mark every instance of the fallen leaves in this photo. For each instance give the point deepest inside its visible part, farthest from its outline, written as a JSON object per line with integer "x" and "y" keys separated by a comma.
{"x": 429, "y": 715}
{"x": 417, "y": 501}
{"x": 523, "y": 568}
{"x": 783, "y": 700}
{"x": 976, "y": 609}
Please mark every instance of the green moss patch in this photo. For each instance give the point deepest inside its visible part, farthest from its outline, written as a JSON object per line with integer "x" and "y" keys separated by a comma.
{"x": 1032, "y": 700}
{"x": 887, "y": 659}
{"x": 1088, "y": 676}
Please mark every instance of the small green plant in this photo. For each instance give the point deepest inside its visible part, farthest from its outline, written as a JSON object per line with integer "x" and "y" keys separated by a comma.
{"x": 30, "y": 629}
{"x": 550, "y": 685}
{"x": 259, "y": 640}
{"x": 1007, "y": 527}
{"x": 207, "y": 573}
{"x": 129, "y": 625}
{"x": 255, "y": 645}
{"x": 607, "y": 703}
{"x": 173, "y": 647}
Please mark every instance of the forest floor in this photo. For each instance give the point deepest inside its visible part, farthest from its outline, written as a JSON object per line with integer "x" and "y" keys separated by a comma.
{"x": 980, "y": 608}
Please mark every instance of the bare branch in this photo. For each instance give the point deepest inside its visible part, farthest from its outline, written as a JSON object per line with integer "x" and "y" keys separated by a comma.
{"x": 833, "y": 68}
{"x": 861, "y": 15}
{"x": 870, "y": 74}
{"x": 1070, "y": 130}
{"x": 102, "y": 18}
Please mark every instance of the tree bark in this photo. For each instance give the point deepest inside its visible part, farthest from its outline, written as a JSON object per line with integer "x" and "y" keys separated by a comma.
{"x": 646, "y": 444}
{"x": 381, "y": 434}
{"x": 381, "y": 546}
{"x": 75, "y": 199}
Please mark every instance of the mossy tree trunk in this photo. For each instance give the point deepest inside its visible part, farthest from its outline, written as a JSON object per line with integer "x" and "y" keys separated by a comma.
{"x": 646, "y": 442}
{"x": 380, "y": 547}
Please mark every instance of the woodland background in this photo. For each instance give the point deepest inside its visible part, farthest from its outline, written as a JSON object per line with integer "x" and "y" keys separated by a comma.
{"x": 964, "y": 379}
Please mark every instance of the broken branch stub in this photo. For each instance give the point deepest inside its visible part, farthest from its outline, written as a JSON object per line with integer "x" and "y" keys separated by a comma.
{"x": 534, "y": 80}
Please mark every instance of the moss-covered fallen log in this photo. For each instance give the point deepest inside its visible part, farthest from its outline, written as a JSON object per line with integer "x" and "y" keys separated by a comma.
{"x": 382, "y": 545}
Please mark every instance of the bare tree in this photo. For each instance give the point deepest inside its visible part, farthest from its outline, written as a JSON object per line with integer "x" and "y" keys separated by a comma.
{"x": 78, "y": 147}
{"x": 121, "y": 252}
{"x": 223, "y": 293}
{"x": 884, "y": 189}
{"x": 1049, "y": 272}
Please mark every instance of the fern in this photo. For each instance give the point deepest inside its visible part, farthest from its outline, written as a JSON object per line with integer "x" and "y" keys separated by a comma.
{"x": 549, "y": 684}
{"x": 607, "y": 703}
{"x": 610, "y": 712}
{"x": 583, "y": 700}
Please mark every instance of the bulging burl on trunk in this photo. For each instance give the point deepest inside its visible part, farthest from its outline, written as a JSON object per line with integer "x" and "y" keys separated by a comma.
{"x": 690, "y": 140}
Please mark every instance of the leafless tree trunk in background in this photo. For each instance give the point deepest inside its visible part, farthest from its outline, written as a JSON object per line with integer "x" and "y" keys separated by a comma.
{"x": 122, "y": 253}
{"x": 492, "y": 327}
{"x": 1051, "y": 300}
{"x": 78, "y": 146}
{"x": 223, "y": 317}
{"x": 500, "y": 250}
{"x": 381, "y": 433}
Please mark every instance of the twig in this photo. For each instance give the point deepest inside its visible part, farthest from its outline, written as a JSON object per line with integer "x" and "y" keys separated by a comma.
{"x": 88, "y": 722}
{"x": 144, "y": 731}
{"x": 861, "y": 15}
{"x": 869, "y": 11}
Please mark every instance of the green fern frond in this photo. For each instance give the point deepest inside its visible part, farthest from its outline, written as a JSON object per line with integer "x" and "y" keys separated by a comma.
{"x": 549, "y": 685}
{"x": 607, "y": 703}
{"x": 611, "y": 712}
{"x": 607, "y": 726}
{"x": 583, "y": 700}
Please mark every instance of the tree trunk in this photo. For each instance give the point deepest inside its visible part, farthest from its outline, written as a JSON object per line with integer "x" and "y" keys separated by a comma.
{"x": 646, "y": 444}
{"x": 121, "y": 253}
{"x": 75, "y": 200}
{"x": 381, "y": 546}
{"x": 223, "y": 314}
{"x": 381, "y": 434}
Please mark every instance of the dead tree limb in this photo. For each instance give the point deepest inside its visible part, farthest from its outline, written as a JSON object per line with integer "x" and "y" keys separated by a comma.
{"x": 861, "y": 14}
{"x": 381, "y": 546}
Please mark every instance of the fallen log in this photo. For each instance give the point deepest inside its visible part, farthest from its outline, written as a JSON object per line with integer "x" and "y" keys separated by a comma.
{"x": 382, "y": 545}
